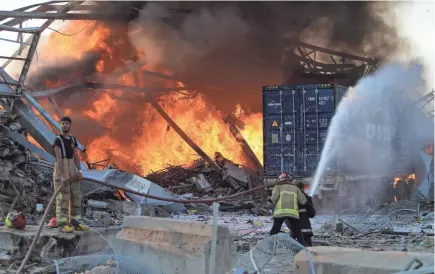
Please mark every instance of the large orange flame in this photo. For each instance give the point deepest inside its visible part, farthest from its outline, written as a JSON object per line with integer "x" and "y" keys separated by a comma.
{"x": 154, "y": 144}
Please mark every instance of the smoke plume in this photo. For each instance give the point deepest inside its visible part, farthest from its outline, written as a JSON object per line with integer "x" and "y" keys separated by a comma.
{"x": 237, "y": 46}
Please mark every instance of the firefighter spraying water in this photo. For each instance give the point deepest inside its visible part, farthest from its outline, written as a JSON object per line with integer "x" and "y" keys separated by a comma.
{"x": 287, "y": 199}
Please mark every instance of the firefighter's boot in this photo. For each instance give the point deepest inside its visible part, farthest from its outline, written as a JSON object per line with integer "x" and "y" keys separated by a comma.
{"x": 67, "y": 229}
{"x": 79, "y": 226}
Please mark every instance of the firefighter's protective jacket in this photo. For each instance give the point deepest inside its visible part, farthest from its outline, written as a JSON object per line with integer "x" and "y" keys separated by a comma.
{"x": 286, "y": 198}
{"x": 306, "y": 212}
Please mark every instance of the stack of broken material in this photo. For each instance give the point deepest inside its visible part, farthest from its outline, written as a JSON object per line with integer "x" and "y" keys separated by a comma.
{"x": 22, "y": 183}
{"x": 111, "y": 212}
{"x": 200, "y": 180}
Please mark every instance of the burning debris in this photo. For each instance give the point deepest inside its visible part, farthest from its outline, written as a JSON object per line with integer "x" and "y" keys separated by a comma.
{"x": 201, "y": 179}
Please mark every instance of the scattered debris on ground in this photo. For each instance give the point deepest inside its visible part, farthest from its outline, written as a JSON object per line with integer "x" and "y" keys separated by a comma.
{"x": 402, "y": 231}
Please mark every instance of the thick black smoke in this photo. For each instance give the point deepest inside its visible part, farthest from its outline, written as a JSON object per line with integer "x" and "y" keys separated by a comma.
{"x": 238, "y": 46}
{"x": 234, "y": 46}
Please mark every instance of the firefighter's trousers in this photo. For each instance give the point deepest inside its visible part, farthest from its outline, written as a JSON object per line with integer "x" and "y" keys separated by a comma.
{"x": 69, "y": 195}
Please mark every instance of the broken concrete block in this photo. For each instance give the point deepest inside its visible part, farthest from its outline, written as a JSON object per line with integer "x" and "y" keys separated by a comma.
{"x": 338, "y": 260}
{"x": 240, "y": 174}
{"x": 201, "y": 183}
{"x": 174, "y": 246}
{"x": 160, "y": 212}
{"x": 339, "y": 227}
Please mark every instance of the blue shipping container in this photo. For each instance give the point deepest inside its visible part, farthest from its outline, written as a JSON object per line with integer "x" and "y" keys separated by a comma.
{"x": 295, "y": 124}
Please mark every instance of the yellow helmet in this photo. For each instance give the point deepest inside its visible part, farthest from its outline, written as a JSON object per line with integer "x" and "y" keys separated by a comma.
{"x": 8, "y": 221}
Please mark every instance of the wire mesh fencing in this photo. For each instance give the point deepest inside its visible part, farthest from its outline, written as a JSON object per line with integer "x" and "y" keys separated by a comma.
{"x": 99, "y": 264}
{"x": 405, "y": 214}
{"x": 272, "y": 255}
{"x": 110, "y": 261}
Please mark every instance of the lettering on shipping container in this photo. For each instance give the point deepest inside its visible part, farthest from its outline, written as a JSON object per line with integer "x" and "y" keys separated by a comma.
{"x": 384, "y": 134}
{"x": 322, "y": 136}
{"x": 275, "y": 139}
{"x": 323, "y": 100}
{"x": 274, "y": 104}
{"x": 311, "y": 99}
{"x": 323, "y": 122}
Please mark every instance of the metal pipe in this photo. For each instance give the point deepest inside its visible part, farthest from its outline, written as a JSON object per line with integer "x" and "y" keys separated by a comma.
{"x": 47, "y": 116}
{"x": 63, "y": 16}
{"x": 8, "y": 83}
{"x": 14, "y": 41}
{"x": 245, "y": 146}
{"x": 24, "y": 30}
{"x": 28, "y": 61}
{"x": 97, "y": 204}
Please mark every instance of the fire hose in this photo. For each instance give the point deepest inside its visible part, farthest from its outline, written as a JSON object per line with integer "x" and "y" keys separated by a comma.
{"x": 41, "y": 225}
{"x": 204, "y": 201}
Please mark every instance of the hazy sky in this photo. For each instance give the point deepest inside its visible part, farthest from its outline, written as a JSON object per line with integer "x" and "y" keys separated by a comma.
{"x": 8, "y": 48}
{"x": 415, "y": 21}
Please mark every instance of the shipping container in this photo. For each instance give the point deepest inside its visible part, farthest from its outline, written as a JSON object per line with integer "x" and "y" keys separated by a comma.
{"x": 295, "y": 124}
{"x": 296, "y": 119}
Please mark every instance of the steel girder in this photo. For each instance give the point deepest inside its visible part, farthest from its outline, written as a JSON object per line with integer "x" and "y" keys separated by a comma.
{"x": 310, "y": 59}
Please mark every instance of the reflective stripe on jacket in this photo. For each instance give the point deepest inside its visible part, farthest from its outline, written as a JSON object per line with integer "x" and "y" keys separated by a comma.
{"x": 286, "y": 199}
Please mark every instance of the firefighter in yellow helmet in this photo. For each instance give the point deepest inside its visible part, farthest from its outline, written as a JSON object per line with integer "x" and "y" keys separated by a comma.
{"x": 286, "y": 198}
{"x": 67, "y": 166}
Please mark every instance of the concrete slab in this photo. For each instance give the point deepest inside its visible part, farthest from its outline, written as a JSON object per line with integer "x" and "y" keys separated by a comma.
{"x": 52, "y": 244}
{"x": 170, "y": 246}
{"x": 337, "y": 260}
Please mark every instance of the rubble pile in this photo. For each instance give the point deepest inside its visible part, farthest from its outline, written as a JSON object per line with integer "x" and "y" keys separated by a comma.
{"x": 110, "y": 212}
{"x": 23, "y": 183}
{"x": 200, "y": 180}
